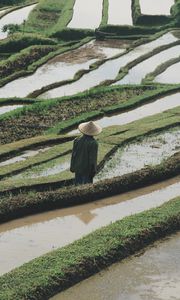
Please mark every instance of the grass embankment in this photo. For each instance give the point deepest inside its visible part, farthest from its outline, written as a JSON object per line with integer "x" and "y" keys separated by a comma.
{"x": 23, "y": 204}
{"x": 109, "y": 140}
{"x": 104, "y": 20}
{"x": 124, "y": 71}
{"x": 6, "y": 3}
{"x": 56, "y": 271}
{"x": 160, "y": 69}
{"x": 34, "y": 119}
{"x": 49, "y": 16}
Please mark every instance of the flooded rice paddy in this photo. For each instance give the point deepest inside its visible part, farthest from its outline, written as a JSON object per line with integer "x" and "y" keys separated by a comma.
{"x": 119, "y": 12}
{"x": 109, "y": 70}
{"x": 156, "y": 7}
{"x": 15, "y": 17}
{"x": 85, "y": 16}
{"x": 52, "y": 167}
{"x": 138, "y": 72}
{"x": 8, "y": 108}
{"x": 170, "y": 75}
{"x": 135, "y": 156}
{"x": 158, "y": 106}
{"x": 152, "y": 274}
{"x": 24, "y": 239}
{"x": 62, "y": 67}
{"x": 23, "y": 156}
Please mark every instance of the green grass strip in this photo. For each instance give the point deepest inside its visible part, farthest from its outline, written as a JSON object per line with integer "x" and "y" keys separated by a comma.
{"x": 47, "y": 275}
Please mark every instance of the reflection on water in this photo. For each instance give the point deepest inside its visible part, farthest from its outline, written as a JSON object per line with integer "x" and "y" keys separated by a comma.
{"x": 153, "y": 275}
{"x": 149, "y": 152}
{"x": 108, "y": 70}
{"x": 22, "y": 244}
{"x": 7, "y": 108}
{"x": 60, "y": 68}
{"x": 156, "y": 7}
{"x": 158, "y": 106}
{"x": 120, "y": 12}
{"x": 87, "y": 14}
{"x": 170, "y": 75}
{"x": 15, "y": 17}
{"x": 137, "y": 73}
{"x": 23, "y": 156}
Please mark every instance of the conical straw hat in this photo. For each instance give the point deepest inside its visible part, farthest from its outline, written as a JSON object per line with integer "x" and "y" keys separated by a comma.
{"x": 90, "y": 128}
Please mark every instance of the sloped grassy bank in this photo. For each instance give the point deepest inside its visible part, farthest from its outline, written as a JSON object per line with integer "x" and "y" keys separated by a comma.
{"x": 15, "y": 206}
{"x": 60, "y": 269}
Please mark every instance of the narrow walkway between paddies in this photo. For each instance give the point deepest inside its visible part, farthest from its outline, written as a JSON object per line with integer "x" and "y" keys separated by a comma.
{"x": 56, "y": 229}
{"x": 160, "y": 105}
{"x": 152, "y": 274}
{"x": 86, "y": 15}
{"x": 109, "y": 70}
{"x": 7, "y": 108}
{"x": 3, "y": 11}
{"x": 157, "y": 7}
{"x": 170, "y": 75}
{"x": 22, "y": 157}
{"x": 61, "y": 67}
{"x": 15, "y": 17}
{"x": 137, "y": 73}
{"x": 120, "y": 12}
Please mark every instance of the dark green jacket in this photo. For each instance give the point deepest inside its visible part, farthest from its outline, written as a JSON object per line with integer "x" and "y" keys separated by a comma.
{"x": 84, "y": 156}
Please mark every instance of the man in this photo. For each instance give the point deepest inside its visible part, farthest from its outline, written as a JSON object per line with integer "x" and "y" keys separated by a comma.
{"x": 84, "y": 154}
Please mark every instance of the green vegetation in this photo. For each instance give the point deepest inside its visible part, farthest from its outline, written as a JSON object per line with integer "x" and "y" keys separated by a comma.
{"x": 5, "y": 3}
{"x": 176, "y": 13}
{"x": 105, "y": 13}
{"x": 47, "y": 275}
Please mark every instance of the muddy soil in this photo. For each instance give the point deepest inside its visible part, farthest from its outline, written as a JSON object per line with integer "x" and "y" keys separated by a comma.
{"x": 33, "y": 123}
{"x": 152, "y": 274}
{"x": 108, "y": 71}
{"x": 21, "y": 242}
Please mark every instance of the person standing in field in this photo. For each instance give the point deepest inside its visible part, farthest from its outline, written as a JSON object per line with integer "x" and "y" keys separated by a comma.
{"x": 84, "y": 153}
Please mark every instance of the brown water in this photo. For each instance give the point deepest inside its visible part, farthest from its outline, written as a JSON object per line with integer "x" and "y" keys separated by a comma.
{"x": 153, "y": 274}
{"x": 23, "y": 156}
{"x": 158, "y": 106}
{"x": 109, "y": 70}
{"x": 24, "y": 239}
{"x": 137, "y": 73}
{"x": 15, "y": 17}
{"x": 170, "y": 75}
{"x": 149, "y": 152}
{"x": 156, "y": 7}
{"x": 60, "y": 68}
{"x": 120, "y": 12}
{"x": 87, "y": 15}
{"x": 7, "y": 108}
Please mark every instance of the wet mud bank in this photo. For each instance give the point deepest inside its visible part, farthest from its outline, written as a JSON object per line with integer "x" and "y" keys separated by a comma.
{"x": 155, "y": 269}
{"x": 14, "y": 206}
{"x": 91, "y": 254}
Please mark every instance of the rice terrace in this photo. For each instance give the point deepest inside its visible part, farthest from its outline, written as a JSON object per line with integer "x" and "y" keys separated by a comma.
{"x": 71, "y": 63}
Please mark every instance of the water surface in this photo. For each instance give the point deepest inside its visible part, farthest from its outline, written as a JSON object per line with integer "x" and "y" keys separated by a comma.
{"x": 120, "y": 12}
{"x": 15, "y": 17}
{"x": 22, "y": 244}
{"x": 87, "y": 15}
{"x": 8, "y": 108}
{"x": 138, "y": 72}
{"x": 109, "y": 70}
{"x": 170, "y": 75}
{"x": 152, "y": 275}
{"x": 156, "y": 7}
{"x": 60, "y": 68}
